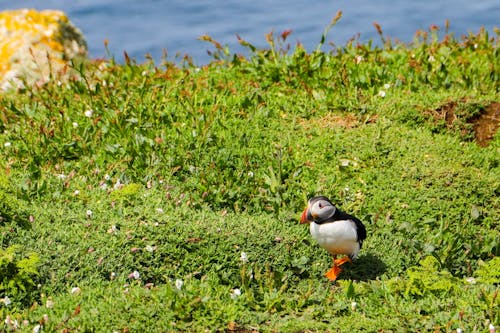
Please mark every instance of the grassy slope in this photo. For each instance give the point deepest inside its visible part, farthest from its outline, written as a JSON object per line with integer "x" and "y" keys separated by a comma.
{"x": 220, "y": 160}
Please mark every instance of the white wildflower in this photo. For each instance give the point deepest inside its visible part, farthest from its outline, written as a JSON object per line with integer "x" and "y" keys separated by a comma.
{"x": 358, "y": 59}
{"x": 113, "y": 230}
{"x": 431, "y": 58}
{"x": 459, "y": 330}
{"x": 491, "y": 328}
{"x": 12, "y": 324}
{"x": 61, "y": 176}
{"x": 89, "y": 213}
{"x": 150, "y": 248}
{"x": 250, "y": 174}
{"x": 37, "y": 328}
{"x": 159, "y": 210}
{"x": 7, "y": 301}
{"x": 387, "y": 86}
{"x": 107, "y": 177}
{"x": 178, "y": 284}
{"x": 77, "y": 192}
{"x": 243, "y": 257}
{"x": 235, "y": 293}
{"x": 49, "y": 304}
{"x": 76, "y": 290}
{"x": 7, "y": 144}
{"x": 353, "y": 306}
{"x": 381, "y": 93}
{"x": 117, "y": 185}
{"x": 75, "y": 124}
{"x": 89, "y": 113}
{"x": 470, "y": 280}
{"x": 134, "y": 275}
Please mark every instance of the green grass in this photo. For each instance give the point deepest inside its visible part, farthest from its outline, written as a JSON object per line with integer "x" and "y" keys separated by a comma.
{"x": 128, "y": 179}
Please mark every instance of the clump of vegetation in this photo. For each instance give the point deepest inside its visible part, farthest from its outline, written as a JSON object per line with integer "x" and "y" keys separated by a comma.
{"x": 13, "y": 211}
{"x": 175, "y": 190}
{"x": 17, "y": 274}
{"x": 489, "y": 272}
{"x": 427, "y": 278}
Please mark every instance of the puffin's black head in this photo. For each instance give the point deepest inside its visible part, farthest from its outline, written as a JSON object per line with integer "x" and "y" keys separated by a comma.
{"x": 319, "y": 209}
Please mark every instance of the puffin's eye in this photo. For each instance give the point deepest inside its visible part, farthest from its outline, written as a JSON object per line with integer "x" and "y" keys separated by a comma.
{"x": 320, "y": 205}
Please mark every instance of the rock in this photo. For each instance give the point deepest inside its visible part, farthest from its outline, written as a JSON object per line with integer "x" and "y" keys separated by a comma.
{"x": 37, "y": 46}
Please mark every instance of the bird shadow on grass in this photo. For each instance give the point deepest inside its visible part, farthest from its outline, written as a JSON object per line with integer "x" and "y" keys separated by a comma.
{"x": 366, "y": 267}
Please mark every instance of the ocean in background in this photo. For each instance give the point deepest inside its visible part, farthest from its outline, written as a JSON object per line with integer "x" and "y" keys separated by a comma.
{"x": 152, "y": 26}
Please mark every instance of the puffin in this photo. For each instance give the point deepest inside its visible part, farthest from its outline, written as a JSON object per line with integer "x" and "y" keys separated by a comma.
{"x": 335, "y": 231}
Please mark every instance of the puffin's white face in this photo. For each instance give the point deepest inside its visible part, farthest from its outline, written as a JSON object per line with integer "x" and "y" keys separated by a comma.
{"x": 318, "y": 209}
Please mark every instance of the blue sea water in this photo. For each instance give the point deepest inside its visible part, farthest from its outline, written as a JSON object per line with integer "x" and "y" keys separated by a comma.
{"x": 152, "y": 26}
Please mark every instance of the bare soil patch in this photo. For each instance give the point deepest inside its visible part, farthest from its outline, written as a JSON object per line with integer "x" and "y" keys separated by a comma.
{"x": 484, "y": 124}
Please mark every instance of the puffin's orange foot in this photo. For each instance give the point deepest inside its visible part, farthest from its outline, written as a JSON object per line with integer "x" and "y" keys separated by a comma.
{"x": 341, "y": 261}
{"x": 333, "y": 273}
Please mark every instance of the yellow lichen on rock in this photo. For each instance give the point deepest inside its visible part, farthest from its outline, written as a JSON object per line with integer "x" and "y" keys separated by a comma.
{"x": 36, "y": 46}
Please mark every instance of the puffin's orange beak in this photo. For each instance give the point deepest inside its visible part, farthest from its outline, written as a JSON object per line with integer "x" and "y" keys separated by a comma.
{"x": 303, "y": 217}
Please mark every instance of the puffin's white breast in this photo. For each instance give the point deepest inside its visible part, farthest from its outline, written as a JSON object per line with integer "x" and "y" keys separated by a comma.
{"x": 339, "y": 237}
